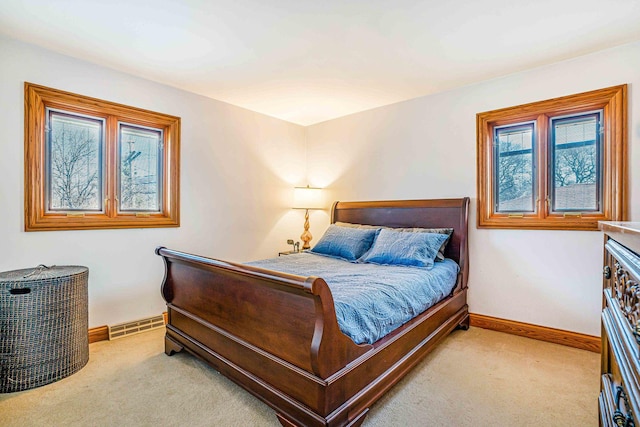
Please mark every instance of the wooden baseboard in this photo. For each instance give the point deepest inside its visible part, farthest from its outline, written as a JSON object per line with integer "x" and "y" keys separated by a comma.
{"x": 101, "y": 333}
{"x": 557, "y": 336}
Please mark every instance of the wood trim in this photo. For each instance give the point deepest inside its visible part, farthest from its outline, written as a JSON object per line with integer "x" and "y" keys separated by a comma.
{"x": 408, "y": 204}
{"x": 542, "y": 333}
{"x": 37, "y": 100}
{"x": 100, "y": 333}
{"x": 557, "y": 336}
{"x": 613, "y": 101}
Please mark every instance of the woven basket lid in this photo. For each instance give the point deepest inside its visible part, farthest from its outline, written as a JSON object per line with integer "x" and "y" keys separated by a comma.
{"x": 40, "y": 273}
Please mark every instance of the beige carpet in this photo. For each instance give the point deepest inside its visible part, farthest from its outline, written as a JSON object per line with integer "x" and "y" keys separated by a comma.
{"x": 475, "y": 378}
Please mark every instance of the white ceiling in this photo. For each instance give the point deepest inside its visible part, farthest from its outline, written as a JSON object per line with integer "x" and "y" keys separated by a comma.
{"x": 307, "y": 61}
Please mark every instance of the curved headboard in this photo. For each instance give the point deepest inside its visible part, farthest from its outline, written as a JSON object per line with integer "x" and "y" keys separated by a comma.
{"x": 436, "y": 213}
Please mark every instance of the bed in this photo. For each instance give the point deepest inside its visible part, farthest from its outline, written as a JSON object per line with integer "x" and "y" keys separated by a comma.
{"x": 277, "y": 334}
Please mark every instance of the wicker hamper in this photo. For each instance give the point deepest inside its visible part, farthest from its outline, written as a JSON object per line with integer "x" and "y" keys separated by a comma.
{"x": 43, "y": 325}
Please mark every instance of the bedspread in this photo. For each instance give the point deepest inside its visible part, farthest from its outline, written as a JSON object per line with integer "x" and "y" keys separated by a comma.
{"x": 371, "y": 300}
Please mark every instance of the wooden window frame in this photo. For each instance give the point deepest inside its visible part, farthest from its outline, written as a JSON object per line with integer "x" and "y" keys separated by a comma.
{"x": 613, "y": 102}
{"x": 37, "y": 100}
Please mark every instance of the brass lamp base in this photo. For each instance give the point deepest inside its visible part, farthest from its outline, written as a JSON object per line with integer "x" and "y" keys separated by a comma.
{"x": 306, "y": 235}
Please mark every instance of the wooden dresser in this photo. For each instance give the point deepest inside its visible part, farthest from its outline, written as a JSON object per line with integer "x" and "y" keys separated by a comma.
{"x": 620, "y": 382}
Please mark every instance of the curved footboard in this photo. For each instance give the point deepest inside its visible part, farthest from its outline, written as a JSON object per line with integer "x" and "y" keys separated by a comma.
{"x": 257, "y": 326}
{"x": 277, "y": 336}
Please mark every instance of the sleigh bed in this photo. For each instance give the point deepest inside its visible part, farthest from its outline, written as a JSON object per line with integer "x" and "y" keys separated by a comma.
{"x": 277, "y": 334}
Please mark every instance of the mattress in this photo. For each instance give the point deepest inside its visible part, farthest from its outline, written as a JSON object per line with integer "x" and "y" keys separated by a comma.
{"x": 372, "y": 300}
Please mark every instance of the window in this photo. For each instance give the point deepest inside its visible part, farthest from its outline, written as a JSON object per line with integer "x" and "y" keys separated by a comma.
{"x": 556, "y": 164}
{"x": 95, "y": 164}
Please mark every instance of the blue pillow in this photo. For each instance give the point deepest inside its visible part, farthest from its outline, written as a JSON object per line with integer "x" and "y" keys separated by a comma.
{"x": 401, "y": 248}
{"x": 345, "y": 242}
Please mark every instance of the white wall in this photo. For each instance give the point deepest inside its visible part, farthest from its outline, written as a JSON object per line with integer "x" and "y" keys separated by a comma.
{"x": 237, "y": 173}
{"x": 238, "y": 168}
{"x": 426, "y": 148}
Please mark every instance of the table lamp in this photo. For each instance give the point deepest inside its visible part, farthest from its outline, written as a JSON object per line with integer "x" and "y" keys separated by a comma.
{"x": 307, "y": 198}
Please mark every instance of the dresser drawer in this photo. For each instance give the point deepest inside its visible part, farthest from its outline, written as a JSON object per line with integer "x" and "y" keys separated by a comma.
{"x": 615, "y": 409}
{"x": 620, "y": 361}
{"x": 619, "y": 400}
{"x": 620, "y": 390}
{"x": 622, "y": 292}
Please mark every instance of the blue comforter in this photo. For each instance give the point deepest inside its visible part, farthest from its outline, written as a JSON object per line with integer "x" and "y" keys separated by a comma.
{"x": 371, "y": 300}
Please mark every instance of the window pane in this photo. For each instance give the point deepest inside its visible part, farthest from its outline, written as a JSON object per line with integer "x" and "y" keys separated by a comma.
{"x": 140, "y": 169}
{"x": 74, "y": 162}
{"x": 513, "y": 159}
{"x": 575, "y": 168}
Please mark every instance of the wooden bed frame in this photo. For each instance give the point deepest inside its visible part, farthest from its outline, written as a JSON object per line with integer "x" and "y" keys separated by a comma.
{"x": 277, "y": 336}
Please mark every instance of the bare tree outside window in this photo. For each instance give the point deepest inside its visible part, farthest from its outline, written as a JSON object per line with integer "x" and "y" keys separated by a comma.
{"x": 576, "y": 166}
{"x": 575, "y": 145}
{"x": 514, "y": 168}
{"x": 75, "y": 145}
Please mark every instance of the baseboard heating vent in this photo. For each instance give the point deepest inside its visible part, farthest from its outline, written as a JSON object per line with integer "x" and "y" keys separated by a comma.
{"x": 135, "y": 327}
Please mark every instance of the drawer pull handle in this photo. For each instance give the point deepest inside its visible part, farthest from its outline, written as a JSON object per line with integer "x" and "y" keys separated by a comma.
{"x": 606, "y": 272}
{"x": 636, "y": 332}
{"x": 619, "y": 418}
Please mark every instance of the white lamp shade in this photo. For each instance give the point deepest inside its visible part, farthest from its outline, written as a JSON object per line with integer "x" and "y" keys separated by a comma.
{"x": 308, "y": 198}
